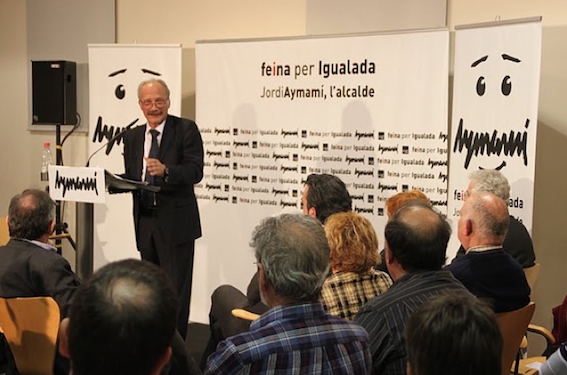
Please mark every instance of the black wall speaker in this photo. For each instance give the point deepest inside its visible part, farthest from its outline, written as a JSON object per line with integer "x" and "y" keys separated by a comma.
{"x": 54, "y": 92}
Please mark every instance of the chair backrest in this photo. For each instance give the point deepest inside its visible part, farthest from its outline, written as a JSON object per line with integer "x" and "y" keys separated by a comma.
{"x": 4, "y": 234}
{"x": 31, "y": 325}
{"x": 513, "y": 326}
{"x": 532, "y": 274}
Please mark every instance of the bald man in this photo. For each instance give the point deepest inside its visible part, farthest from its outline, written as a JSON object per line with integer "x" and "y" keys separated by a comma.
{"x": 486, "y": 270}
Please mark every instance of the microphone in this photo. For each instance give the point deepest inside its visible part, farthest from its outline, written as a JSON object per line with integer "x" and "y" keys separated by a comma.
{"x": 111, "y": 141}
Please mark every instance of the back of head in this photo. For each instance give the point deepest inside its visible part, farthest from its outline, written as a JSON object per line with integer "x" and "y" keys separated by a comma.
{"x": 417, "y": 237}
{"x": 294, "y": 253}
{"x": 122, "y": 320}
{"x": 491, "y": 181}
{"x": 490, "y": 216}
{"x": 30, "y": 214}
{"x": 395, "y": 202}
{"x": 453, "y": 334}
{"x": 353, "y": 242}
{"x": 328, "y": 195}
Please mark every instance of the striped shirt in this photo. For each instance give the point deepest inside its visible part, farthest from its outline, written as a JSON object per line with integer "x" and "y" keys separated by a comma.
{"x": 297, "y": 339}
{"x": 344, "y": 293}
{"x": 385, "y": 316}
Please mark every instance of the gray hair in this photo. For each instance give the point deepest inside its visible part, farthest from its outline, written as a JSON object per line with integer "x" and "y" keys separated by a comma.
{"x": 153, "y": 80}
{"x": 30, "y": 214}
{"x": 491, "y": 181}
{"x": 294, "y": 254}
{"x": 490, "y": 214}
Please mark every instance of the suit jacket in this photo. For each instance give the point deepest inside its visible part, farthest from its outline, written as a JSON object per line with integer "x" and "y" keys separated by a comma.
{"x": 27, "y": 270}
{"x": 181, "y": 150}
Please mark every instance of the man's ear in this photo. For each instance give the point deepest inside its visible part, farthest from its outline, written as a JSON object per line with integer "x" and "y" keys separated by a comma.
{"x": 262, "y": 278}
{"x": 162, "y": 361}
{"x": 388, "y": 257}
{"x": 51, "y": 227}
{"x": 408, "y": 369}
{"x": 63, "y": 337}
{"x": 312, "y": 212}
{"x": 468, "y": 227}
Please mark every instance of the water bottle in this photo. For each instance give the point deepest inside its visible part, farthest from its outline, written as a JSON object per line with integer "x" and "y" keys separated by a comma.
{"x": 45, "y": 161}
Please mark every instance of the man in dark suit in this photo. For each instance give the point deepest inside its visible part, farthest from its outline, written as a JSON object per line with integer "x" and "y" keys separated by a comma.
{"x": 29, "y": 265}
{"x": 166, "y": 152}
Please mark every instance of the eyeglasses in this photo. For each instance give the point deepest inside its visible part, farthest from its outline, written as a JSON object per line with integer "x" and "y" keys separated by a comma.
{"x": 158, "y": 103}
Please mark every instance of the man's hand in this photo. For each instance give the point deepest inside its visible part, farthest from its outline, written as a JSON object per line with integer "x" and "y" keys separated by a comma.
{"x": 155, "y": 167}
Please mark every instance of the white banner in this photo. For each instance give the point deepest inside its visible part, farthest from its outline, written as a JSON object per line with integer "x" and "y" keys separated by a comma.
{"x": 495, "y": 102}
{"x": 77, "y": 184}
{"x": 371, "y": 110}
{"x": 114, "y": 74}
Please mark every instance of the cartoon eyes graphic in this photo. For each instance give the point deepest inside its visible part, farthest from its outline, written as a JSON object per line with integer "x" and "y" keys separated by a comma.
{"x": 506, "y": 86}
{"x": 480, "y": 86}
{"x": 120, "y": 92}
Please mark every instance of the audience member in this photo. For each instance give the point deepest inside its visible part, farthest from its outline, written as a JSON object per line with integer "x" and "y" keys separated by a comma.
{"x": 29, "y": 265}
{"x": 295, "y": 335}
{"x": 517, "y": 242}
{"x": 354, "y": 252}
{"x": 453, "y": 334}
{"x": 416, "y": 243}
{"x": 556, "y": 364}
{"x": 324, "y": 195}
{"x": 393, "y": 204}
{"x": 122, "y": 321}
{"x": 486, "y": 270}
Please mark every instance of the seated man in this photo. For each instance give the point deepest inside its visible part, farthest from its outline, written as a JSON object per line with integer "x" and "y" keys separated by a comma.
{"x": 29, "y": 265}
{"x": 416, "y": 243}
{"x": 517, "y": 242}
{"x": 453, "y": 334}
{"x": 324, "y": 195}
{"x": 393, "y": 204}
{"x": 486, "y": 270}
{"x": 122, "y": 321}
{"x": 295, "y": 335}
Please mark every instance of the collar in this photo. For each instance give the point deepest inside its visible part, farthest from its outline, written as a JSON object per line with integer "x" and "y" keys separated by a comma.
{"x": 43, "y": 245}
{"x": 481, "y": 248}
{"x": 159, "y": 128}
{"x": 278, "y": 313}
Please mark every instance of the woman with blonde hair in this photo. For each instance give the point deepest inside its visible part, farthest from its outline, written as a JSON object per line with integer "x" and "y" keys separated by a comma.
{"x": 354, "y": 252}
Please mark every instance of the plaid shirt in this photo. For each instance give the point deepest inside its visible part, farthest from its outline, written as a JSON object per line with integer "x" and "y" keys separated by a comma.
{"x": 298, "y": 339}
{"x": 344, "y": 293}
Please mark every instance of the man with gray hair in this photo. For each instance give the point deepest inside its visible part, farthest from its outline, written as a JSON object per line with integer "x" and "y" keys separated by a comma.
{"x": 295, "y": 335}
{"x": 517, "y": 242}
{"x": 166, "y": 152}
{"x": 486, "y": 270}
